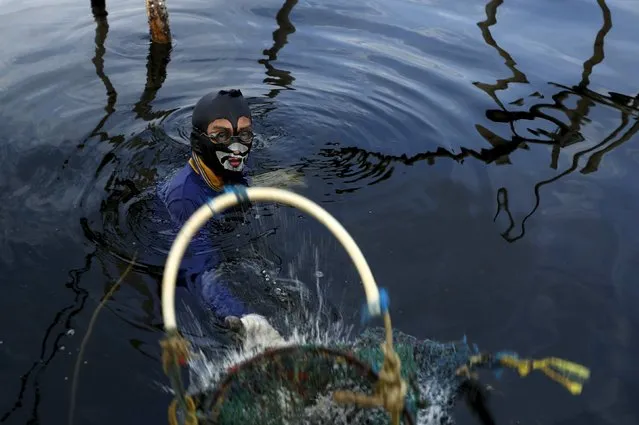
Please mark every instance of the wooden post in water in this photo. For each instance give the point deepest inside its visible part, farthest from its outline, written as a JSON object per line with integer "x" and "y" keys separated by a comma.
{"x": 158, "y": 21}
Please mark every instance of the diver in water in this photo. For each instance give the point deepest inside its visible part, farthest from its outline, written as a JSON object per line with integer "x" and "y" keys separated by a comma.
{"x": 221, "y": 140}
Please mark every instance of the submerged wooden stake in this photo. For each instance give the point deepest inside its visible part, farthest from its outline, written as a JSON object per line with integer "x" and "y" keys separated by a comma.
{"x": 158, "y": 21}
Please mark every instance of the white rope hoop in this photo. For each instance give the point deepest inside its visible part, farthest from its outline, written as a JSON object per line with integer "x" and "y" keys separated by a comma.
{"x": 259, "y": 194}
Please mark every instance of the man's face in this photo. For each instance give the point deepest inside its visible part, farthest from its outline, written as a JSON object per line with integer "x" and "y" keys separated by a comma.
{"x": 234, "y": 157}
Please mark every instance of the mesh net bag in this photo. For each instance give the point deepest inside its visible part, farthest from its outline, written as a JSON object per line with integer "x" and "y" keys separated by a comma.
{"x": 426, "y": 359}
{"x": 294, "y": 385}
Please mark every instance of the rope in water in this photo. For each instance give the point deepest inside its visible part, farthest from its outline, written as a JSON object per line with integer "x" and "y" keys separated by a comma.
{"x": 391, "y": 388}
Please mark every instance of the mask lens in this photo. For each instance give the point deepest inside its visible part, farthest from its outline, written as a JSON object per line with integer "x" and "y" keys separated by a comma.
{"x": 246, "y": 136}
{"x": 220, "y": 137}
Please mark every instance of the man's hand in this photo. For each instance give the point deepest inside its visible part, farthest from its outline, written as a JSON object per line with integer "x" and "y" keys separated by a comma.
{"x": 235, "y": 324}
{"x": 253, "y": 331}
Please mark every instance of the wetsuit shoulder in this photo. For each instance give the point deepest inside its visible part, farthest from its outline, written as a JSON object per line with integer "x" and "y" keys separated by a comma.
{"x": 185, "y": 193}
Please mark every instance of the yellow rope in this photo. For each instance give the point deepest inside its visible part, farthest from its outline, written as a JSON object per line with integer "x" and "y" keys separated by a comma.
{"x": 570, "y": 375}
{"x": 76, "y": 371}
{"x": 190, "y": 415}
{"x": 175, "y": 351}
{"x": 558, "y": 370}
{"x": 390, "y": 391}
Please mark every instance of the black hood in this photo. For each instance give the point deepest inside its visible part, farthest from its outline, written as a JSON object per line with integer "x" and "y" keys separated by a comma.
{"x": 230, "y": 105}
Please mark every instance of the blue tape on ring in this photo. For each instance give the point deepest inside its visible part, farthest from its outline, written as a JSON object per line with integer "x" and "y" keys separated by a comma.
{"x": 384, "y": 306}
{"x": 384, "y": 300}
{"x": 239, "y": 191}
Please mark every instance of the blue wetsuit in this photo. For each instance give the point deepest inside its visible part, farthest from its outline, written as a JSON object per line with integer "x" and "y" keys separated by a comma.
{"x": 183, "y": 195}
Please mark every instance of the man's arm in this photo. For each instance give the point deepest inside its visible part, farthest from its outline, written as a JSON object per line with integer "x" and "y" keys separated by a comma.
{"x": 197, "y": 269}
{"x": 200, "y": 254}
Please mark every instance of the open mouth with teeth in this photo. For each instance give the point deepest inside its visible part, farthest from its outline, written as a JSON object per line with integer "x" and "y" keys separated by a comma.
{"x": 235, "y": 161}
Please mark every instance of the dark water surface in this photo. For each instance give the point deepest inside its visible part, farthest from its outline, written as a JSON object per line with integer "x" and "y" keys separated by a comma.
{"x": 484, "y": 155}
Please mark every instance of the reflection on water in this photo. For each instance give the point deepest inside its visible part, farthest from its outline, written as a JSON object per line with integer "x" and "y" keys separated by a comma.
{"x": 353, "y": 166}
{"x": 101, "y": 32}
{"x": 54, "y": 334}
{"x": 360, "y": 98}
{"x": 279, "y": 77}
{"x": 566, "y": 134}
{"x": 157, "y": 62}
